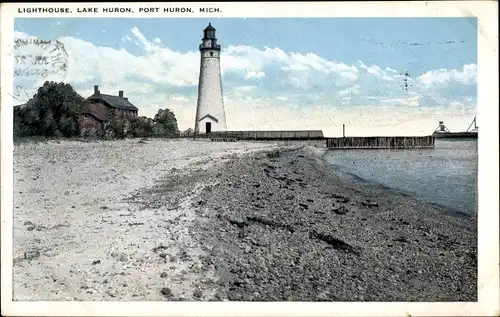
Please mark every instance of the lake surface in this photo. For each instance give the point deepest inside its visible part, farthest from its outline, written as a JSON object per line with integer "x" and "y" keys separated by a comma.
{"x": 445, "y": 175}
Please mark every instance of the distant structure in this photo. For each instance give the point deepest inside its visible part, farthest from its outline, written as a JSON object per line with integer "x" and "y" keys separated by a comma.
{"x": 443, "y": 132}
{"x": 210, "y": 114}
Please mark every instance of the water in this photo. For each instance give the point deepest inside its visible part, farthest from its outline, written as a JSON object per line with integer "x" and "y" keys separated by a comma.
{"x": 445, "y": 175}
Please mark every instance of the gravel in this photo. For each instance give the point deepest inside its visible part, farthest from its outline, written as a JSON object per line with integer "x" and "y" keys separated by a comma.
{"x": 287, "y": 227}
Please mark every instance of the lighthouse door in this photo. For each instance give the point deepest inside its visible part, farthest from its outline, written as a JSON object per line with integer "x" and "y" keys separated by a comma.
{"x": 208, "y": 127}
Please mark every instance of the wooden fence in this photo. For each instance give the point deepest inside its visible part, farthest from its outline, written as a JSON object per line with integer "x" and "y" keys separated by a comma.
{"x": 264, "y": 135}
{"x": 393, "y": 142}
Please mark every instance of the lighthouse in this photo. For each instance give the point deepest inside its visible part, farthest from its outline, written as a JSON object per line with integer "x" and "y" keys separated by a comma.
{"x": 210, "y": 114}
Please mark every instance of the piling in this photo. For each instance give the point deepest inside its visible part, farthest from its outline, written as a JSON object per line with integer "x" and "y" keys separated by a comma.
{"x": 391, "y": 142}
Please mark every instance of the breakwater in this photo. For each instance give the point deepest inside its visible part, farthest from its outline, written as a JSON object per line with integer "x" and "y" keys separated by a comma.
{"x": 392, "y": 142}
{"x": 265, "y": 135}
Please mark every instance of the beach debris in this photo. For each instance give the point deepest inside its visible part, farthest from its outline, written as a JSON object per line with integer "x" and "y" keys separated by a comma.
{"x": 401, "y": 239}
{"x": 238, "y": 221}
{"x": 305, "y": 206}
{"x": 340, "y": 210}
{"x": 166, "y": 291}
{"x": 164, "y": 275}
{"x": 111, "y": 293}
{"x": 104, "y": 207}
{"x": 31, "y": 227}
{"x": 160, "y": 247}
{"x": 30, "y": 255}
{"x": 369, "y": 203}
{"x": 270, "y": 223}
{"x": 248, "y": 249}
{"x": 135, "y": 224}
{"x": 61, "y": 225}
{"x": 96, "y": 262}
{"x": 340, "y": 198}
{"x": 273, "y": 154}
{"x": 334, "y": 242}
{"x": 198, "y": 293}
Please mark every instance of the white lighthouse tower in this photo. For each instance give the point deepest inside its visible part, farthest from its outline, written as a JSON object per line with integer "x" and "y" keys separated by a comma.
{"x": 210, "y": 114}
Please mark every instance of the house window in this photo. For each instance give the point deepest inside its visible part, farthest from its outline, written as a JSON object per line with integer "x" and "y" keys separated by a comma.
{"x": 85, "y": 117}
{"x": 211, "y": 53}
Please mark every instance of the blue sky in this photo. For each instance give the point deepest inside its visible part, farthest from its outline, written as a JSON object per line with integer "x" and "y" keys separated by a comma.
{"x": 282, "y": 73}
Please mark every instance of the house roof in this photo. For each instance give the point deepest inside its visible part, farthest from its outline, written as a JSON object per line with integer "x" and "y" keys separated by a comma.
{"x": 210, "y": 117}
{"x": 114, "y": 101}
{"x": 95, "y": 115}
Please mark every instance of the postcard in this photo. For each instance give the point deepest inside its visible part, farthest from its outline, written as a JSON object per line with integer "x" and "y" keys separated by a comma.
{"x": 250, "y": 159}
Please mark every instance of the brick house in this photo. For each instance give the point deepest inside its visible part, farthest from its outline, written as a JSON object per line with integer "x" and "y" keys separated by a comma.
{"x": 116, "y": 106}
{"x": 103, "y": 107}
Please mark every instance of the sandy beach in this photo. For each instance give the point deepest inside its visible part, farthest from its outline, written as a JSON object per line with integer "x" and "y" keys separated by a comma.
{"x": 192, "y": 220}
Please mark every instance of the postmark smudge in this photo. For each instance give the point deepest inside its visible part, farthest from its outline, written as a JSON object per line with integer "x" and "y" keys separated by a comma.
{"x": 37, "y": 61}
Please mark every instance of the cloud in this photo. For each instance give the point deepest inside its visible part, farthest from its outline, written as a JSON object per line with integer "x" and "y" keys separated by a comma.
{"x": 270, "y": 88}
{"x": 440, "y": 77}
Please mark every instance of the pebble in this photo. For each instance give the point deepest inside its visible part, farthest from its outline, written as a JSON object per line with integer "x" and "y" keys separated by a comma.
{"x": 111, "y": 293}
{"x": 198, "y": 293}
{"x": 166, "y": 291}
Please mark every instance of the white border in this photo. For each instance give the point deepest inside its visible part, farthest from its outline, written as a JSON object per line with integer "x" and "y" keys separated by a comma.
{"x": 488, "y": 219}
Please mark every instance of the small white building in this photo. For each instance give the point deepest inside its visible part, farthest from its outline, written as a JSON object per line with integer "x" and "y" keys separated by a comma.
{"x": 210, "y": 113}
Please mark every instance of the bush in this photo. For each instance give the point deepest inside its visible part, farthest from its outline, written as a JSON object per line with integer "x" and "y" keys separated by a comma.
{"x": 118, "y": 128}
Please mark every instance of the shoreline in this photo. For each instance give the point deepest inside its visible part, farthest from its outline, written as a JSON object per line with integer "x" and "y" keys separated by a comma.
{"x": 237, "y": 222}
{"x": 374, "y": 184}
{"x": 382, "y": 244}
{"x": 352, "y": 176}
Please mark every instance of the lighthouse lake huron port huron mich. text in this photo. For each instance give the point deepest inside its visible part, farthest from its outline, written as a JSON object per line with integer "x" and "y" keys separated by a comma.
{"x": 149, "y": 9}
{"x": 158, "y": 154}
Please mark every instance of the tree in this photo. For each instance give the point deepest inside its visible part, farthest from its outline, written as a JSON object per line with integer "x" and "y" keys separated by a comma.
{"x": 187, "y": 133}
{"x": 142, "y": 127}
{"x": 53, "y": 111}
{"x": 165, "y": 124}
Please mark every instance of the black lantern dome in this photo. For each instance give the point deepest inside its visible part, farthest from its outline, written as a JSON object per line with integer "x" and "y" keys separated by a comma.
{"x": 209, "y": 32}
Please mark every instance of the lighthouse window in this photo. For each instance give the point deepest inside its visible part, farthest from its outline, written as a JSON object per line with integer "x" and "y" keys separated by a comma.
{"x": 211, "y": 53}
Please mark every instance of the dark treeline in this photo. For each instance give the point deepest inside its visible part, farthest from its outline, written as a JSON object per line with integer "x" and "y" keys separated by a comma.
{"x": 55, "y": 112}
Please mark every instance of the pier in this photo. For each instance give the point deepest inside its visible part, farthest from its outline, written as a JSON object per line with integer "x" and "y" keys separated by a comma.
{"x": 390, "y": 142}
{"x": 340, "y": 143}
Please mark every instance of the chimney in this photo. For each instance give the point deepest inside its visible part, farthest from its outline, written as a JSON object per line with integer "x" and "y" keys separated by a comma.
{"x": 120, "y": 93}
{"x": 96, "y": 89}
